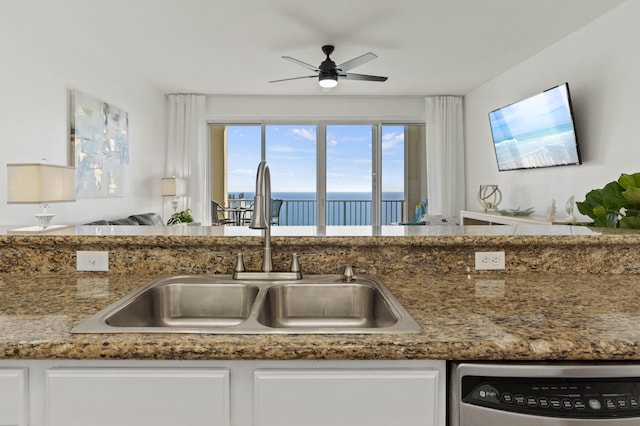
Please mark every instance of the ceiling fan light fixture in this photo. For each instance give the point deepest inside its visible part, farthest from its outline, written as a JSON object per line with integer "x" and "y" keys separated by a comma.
{"x": 328, "y": 81}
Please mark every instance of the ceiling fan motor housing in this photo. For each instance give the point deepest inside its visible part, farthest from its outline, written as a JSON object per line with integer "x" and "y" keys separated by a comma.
{"x": 327, "y": 49}
{"x": 328, "y": 67}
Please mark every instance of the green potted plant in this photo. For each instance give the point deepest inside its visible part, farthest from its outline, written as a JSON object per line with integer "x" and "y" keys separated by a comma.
{"x": 180, "y": 217}
{"x": 616, "y": 205}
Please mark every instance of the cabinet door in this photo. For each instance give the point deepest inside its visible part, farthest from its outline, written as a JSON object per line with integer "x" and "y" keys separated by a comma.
{"x": 345, "y": 397}
{"x": 137, "y": 396}
{"x": 13, "y": 397}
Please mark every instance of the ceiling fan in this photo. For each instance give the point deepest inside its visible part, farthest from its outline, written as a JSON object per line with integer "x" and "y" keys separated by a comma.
{"x": 328, "y": 72}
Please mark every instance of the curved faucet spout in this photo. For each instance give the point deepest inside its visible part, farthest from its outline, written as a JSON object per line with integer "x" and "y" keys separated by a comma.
{"x": 261, "y": 218}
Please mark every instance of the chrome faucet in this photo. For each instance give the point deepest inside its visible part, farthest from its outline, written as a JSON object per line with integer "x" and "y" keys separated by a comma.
{"x": 261, "y": 218}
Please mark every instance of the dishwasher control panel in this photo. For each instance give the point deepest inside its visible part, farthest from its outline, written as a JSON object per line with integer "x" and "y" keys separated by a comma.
{"x": 574, "y": 398}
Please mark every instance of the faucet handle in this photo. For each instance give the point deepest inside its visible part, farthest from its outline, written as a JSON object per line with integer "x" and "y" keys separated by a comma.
{"x": 348, "y": 273}
{"x": 239, "y": 267}
{"x": 295, "y": 264}
{"x": 239, "y": 263}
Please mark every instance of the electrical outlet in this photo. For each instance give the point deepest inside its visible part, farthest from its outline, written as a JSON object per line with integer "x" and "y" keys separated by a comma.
{"x": 92, "y": 261}
{"x": 489, "y": 260}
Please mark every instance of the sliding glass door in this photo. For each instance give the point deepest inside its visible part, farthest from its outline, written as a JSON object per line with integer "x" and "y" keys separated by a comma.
{"x": 324, "y": 173}
{"x": 349, "y": 175}
{"x": 392, "y": 174}
{"x": 291, "y": 155}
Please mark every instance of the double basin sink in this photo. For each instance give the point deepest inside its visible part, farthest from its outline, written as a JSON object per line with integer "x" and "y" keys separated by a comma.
{"x": 218, "y": 304}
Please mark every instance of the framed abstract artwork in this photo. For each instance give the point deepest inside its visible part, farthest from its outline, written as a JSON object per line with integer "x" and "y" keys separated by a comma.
{"x": 99, "y": 137}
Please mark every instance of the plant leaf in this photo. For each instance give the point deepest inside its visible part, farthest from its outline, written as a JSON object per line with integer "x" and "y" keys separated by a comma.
{"x": 632, "y": 213}
{"x": 592, "y": 199}
{"x": 612, "y": 196}
{"x": 632, "y": 222}
{"x": 599, "y": 211}
{"x": 618, "y": 197}
{"x": 608, "y": 221}
{"x": 629, "y": 181}
{"x": 632, "y": 195}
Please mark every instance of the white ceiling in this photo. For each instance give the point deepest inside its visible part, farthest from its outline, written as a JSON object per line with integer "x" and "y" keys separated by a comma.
{"x": 234, "y": 47}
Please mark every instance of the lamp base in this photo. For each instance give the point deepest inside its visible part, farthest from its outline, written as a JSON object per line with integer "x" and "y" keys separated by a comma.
{"x": 44, "y": 225}
{"x": 44, "y": 220}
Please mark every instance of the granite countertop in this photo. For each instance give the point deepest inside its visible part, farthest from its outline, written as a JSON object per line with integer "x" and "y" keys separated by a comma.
{"x": 502, "y": 317}
{"x": 144, "y": 234}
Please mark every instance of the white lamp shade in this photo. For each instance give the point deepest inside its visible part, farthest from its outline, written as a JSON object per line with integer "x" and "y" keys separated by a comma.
{"x": 40, "y": 183}
{"x": 172, "y": 187}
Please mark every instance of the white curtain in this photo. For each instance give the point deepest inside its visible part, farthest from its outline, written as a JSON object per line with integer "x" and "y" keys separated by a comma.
{"x": 445, "y": 155}
{"x": 188, "y": 154}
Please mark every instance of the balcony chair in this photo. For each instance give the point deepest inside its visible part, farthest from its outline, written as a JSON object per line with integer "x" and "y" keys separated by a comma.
{"x": 276, "y": 206}
{"x": 218, "y": 214}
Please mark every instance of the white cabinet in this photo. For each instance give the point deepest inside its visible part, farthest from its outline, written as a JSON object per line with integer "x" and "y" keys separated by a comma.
{"x": 222, "y": 392}
{"x": 137, "y": 396}
{"x": 347, "y": 397}
{"x": 13, "y": 397}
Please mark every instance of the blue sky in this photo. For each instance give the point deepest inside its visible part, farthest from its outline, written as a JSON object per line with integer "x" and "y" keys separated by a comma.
{"x": 291, "y": 154}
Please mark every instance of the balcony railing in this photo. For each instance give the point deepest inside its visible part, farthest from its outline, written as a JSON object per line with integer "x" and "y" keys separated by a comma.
{"x": 339, "y": 212}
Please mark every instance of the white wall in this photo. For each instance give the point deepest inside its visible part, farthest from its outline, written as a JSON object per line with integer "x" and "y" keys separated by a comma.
{"x": 327, "y": 107}
{"x": 602, "y": 66}
{"x": 42, "y": 58}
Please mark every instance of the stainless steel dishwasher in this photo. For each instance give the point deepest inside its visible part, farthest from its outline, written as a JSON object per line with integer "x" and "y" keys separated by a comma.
{"x": 544, "y": 394}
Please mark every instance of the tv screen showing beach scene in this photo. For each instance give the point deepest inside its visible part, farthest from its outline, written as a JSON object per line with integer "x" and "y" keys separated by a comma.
{"x": 536, "y": 132}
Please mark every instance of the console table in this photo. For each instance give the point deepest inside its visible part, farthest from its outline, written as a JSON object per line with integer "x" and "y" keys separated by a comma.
{"x": 492, "y": 218}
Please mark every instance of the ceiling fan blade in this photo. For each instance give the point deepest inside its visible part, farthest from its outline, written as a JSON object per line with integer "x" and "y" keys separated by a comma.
{"x": 293, "y": 78}
{"x": 304, "y": 64}
{"x": 362, "y": 59}
{"x": 352, "y": 76}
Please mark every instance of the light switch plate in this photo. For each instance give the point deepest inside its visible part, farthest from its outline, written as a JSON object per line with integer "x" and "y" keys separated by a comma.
{"x": 92, "y": 261}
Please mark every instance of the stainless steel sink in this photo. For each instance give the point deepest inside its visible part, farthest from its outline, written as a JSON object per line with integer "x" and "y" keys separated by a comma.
{"x": 187, "y": 304}
{"x": 348, "y": 305}
{"x": 218, "y": 304}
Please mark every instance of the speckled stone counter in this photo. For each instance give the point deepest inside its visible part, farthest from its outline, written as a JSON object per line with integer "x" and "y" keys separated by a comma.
{"x": 421, "y": 249}
{"x": 503, "y": 317}
{"x": 567, "y": 293}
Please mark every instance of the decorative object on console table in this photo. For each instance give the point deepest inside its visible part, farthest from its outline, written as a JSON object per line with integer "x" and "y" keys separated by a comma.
{"x": 551, "y": 210}
{"x": 38, "y": 183}
{"x": 422, "y": 209}
{"x": 569, "y": 210}
{"x": 173, "y": 187}
{"x": 516, "y": 212}
{"x": 99, "y": 147}
{"x": 490, "y": 197}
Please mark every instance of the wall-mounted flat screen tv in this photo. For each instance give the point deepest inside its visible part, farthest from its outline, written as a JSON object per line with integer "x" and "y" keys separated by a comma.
{"x": 536, "y": 132}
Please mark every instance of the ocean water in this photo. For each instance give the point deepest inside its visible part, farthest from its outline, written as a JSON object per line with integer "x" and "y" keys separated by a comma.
{"x": 330, "y": 195}
{"x": 343, "y": 208}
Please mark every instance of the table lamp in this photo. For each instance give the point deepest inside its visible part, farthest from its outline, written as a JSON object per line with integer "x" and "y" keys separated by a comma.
{"x": 38, "y": 183}
{"x": 173, "y": 187}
